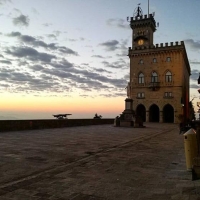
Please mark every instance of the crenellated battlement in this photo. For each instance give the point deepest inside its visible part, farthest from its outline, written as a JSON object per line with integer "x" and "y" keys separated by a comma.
{"x": 150, "y": 16}
{"x": 171, "y": 44}
{"x": 143, "y": 21}
{"x": 160, "y": 46}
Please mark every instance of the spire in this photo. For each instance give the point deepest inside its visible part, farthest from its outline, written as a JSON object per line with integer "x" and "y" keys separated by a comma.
{"x": 138, "y": 11}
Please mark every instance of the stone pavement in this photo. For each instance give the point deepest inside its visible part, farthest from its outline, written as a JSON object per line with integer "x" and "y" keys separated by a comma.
{"x": 96, "y": 162}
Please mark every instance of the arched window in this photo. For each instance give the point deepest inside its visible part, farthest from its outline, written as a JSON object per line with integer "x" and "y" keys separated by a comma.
{"x": 141, "y": 61}
{"x": 154, "y": 77}
{"x": 168, "y": 77}
{"x": 168, "y": 59}
{"x": 141, "y": 78}
{"x": 154, "y": 60}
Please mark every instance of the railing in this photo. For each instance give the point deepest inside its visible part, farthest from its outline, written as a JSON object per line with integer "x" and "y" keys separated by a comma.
{"x": 154, "y": 85}
{"x": 151, "y": 84}
{"x": 169, "y": 83}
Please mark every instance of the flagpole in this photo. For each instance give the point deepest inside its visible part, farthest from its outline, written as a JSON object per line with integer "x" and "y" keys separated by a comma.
{"x": 148, "y": 7}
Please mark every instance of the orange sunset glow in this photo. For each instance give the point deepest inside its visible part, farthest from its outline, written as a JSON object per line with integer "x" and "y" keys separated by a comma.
{"x": 89, "y": 106}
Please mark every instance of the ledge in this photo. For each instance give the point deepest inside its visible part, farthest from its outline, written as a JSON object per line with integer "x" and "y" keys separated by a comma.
{"x": 168, "y": 97}
{"x": 18, "y": 125}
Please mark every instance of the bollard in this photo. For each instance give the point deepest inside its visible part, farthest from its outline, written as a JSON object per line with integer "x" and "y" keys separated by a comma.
{"x": 196, "y": 161}
{"x": 191, "y": 149}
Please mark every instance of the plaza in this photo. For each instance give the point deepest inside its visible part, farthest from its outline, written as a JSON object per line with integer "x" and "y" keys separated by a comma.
{"x": 96, "y": 162}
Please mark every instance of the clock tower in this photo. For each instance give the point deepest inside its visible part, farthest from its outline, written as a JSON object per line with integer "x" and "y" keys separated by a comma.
{"x": 143, "y": 29}
{"x": 159, "y": 74}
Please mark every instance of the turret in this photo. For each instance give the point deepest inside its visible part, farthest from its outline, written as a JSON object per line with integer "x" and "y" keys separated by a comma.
{"x": 143, "y": 28}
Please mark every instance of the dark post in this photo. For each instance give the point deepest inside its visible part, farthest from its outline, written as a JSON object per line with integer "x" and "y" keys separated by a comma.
{"x": 198, "y": 137}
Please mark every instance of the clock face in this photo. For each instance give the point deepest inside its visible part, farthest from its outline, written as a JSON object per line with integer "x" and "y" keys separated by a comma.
{"x": 140, "y": 42}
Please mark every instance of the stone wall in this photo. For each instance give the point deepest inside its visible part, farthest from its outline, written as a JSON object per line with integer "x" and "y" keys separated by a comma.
{"x": 17, "y": 125}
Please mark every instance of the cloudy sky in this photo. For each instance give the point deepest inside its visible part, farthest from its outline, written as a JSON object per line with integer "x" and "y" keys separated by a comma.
{"x": 64, "y": 56}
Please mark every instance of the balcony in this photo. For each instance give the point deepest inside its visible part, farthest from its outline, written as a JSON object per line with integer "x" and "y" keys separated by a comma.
{"x": 154, "y": 86}
{"x": 169, "y": 83}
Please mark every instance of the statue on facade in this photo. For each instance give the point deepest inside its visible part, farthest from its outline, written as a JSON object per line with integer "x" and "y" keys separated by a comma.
{"x": 128, "y": 90}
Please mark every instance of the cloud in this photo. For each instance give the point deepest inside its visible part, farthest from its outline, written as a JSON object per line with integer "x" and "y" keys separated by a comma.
{"x": 47, "y": 71}
{"x": 37, "y": 67}
{"x": 103, "y": 70}
{"x": 11, "y": 76}
{"x": 52, "y": 36}
{"x": 5, "y": 74}
{"x": 14, "y": 34}
{"x": 194, "y": 74}
{"x": 65, "y": 75}
{"x": 119, "y": 23}
{"x": 57, "y": 33}
{"x": 17, "y": 10}
{"x": 84, "y": 95}
{"x": 127, "y": 77}
{"x": 97, "y": 56}
{"x": 22, "y": 62}
{"x": 114, "y": 94}
{"x": 29, "y": 40}
{"x": 24, "y": 81}
{"x": 53, "y": 76}
{"x": 72, "y": 40}
{"x": 119, "y": 64}
{"x": 121, "y": 46}
{"x": 30, "y": 53}
{"x": 122, "y": 54}
{"x": 194, "y": 86}
{"x": 21, "y": 20}
{"x": 67, "y": 70}
{"x": 5, "y": 1}
{"x": 110, "y": 45}
{"x": 62, "y": 65}
{"x": 35, "y": 11}
{"x": 195, "y": 45}
{"x": 47, "y": 24}
{"x": 195, "y": 62}
{"x": 5, "y": 62}
{"x": 67, "y": 50}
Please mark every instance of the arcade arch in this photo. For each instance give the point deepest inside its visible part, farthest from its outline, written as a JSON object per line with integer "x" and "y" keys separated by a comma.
{"x": 154, "y": 113}
{"x": 141, "y": 111}
{"x": 168, "y": 114}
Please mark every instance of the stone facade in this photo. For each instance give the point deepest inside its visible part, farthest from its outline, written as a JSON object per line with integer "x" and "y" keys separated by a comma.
{"x": 159, "y": 75}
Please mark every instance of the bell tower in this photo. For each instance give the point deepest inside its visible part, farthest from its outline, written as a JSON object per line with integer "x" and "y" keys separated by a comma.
{"x": 143, "y": 28}
{"x": 159, "y": 92}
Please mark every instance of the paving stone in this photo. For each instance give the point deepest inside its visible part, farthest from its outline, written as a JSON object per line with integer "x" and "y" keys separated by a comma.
{"x": 96, "y": 162}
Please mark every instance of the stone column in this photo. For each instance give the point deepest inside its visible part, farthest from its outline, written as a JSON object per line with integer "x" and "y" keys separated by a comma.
{"x": 161, "y": 117}
{"x": 147, "y": 116}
